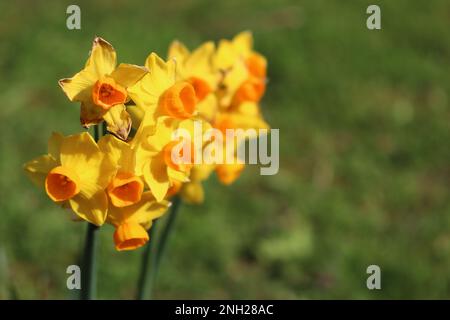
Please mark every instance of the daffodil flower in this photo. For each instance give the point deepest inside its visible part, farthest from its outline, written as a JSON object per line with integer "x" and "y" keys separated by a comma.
{"x": 159, "y": 93}
{"x": 154, "y": 146}
{"x": 196, "y": 67}
{"x": 246, "y": 115}
{"x": 125, "y": 187}
{"x": 254, "y": 61}
{"x": 131, "y": 222}
{"x": 244, "y": 70}
{"x": 76, "y": 172}
{"x": 101, "y": 87}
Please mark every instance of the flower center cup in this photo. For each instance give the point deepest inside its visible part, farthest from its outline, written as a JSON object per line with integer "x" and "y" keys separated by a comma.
{"x": 107, "y": 93}
{"x": 61, "y": 184}
{"x": 125, "y": 189}
{"x": 201, "y": 88}
{"x": 179, "y": 100}
{"x": 251, "y": 89}
{"x": 179, "y": 155}
{"x": 256, "y": 65}
{"x": 130, "y": 236}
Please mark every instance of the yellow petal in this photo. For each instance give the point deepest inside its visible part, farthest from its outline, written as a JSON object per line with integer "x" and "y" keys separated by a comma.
{"x": 160, "y": 68}
{"x": 178, "y": 51}
{"x": 200, "y": 64}
{"x": 207, "y": 108}
{"x": 101, "y": 62}
{"x": 234, "y": 77}
{"x": 162, "y": 135}
{"x": 81, "y": 154}
{"x": 118, "y": 151}
{"x": 54, "y": 145}
{"x": 155, "y": 175}
{"x": 146, "y": 128}
{"x": 243, "y": 43}
{"x": 225, "y": 55}
{"x": 142, "y": 212}
{"x": 37, "y": 169}
{"x": 103, "y": 58}
{"x": 118, "y": 121}
{"x": 128, "y": 74}
{"x": 177, "y": 175}
{"x": 79, "y": 87}
{"x": 91, "y": 205}
{"x": 147, "y": 91}
{"x": 137, "y": 115}
{"x": 150, "y": 209}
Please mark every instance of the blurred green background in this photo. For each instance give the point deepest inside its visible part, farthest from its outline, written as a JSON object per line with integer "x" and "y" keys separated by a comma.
{"x": 364, "y": 135}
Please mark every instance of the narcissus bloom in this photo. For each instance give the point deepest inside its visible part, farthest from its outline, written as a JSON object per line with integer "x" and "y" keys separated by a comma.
{"x": 197, "y": 68}
{"x": 243, "y": 69}
{"x": 125, "y": 187}
{"x": 154, "y": 146}
{"x": 77, "y": 172}
{"x": 246, "y": 115}
{"x": 173, "y": 104}
{"x": 101, "y": 87}
{"x": 132, "y": 221}
{"x": 159, "y": 93}
{"x": 255, "y": 62}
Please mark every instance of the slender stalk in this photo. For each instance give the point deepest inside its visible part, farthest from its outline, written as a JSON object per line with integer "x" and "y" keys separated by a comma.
{"x": 150, "y": 274}
{"x": 88, "y": 275}
{"x": 167, "y": 230}
{"x": 96, "y": 133}
{"x": 149, "y": 253}
{"x": 104, "y": 130}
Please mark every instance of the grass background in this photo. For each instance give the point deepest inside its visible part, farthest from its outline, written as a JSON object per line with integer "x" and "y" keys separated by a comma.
{"x": 364, "y": 149}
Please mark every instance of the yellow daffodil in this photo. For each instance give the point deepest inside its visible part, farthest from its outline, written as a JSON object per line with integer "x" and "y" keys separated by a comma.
{"x": 196, "y": 67}
{"x": 101, "y": 87}
{"x": 246, "y": 115}
{"x": 126, "y": 187}
{"x": 243, "y": 69}
{"x": 77, "y": 172}
{"x": 159, "y": 93}
{"x": 233, "y": 72}
{"x": 154, "y": 148}
{"x": 255, "y": 62}
{"x": 132, "y": 221}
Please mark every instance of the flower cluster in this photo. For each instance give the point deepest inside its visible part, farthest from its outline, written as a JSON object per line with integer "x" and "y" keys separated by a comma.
{"x": 127, "y": 177}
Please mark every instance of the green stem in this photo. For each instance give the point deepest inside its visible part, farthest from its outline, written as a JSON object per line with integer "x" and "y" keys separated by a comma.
{"x": 88, "y": 275}
{"x": 152, "y": 272}
{"x": 144, "y": 276}
{"x": 96, "y": 133}
{"x": 88, "y": 271}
